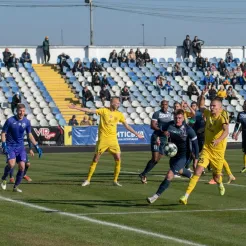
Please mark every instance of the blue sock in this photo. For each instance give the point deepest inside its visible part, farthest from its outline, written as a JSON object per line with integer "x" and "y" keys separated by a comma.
{"x": 19, "y": 177}
{"x": 25, "y": 171}
{"x": 6, "y": 172}
{"x": 163, "y": 186}
{"x": 186, "y": 173}
{"x": 149, "y": 167}
{"x": 11, "y": 173}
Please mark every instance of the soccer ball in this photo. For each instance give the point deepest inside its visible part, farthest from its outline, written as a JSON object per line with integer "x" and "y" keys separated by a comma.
{"x": 170, "y": 149}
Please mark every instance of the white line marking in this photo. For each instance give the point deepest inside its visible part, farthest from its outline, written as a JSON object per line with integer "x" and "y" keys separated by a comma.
{"x": 168, "y": 211}
{"x": 201, "y": 180}
{"x": 104, "y": 223}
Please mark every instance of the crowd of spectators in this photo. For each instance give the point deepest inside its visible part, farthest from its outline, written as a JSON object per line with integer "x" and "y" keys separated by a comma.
{"x": 84, "y": 122}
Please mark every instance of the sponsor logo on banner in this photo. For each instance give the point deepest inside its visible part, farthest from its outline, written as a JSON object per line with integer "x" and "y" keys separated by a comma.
{"x": 44, "y": 132}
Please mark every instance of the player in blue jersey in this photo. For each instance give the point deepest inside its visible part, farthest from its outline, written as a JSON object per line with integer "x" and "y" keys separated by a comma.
{"x": 241, "y": 120}
{"x": 13, "y": 145}
{"x": 27, "y": 165}
{"x": 182, "y": 135}
{"x": 159, "y": 119}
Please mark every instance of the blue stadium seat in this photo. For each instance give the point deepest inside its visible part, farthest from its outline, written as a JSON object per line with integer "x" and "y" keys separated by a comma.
{"x": 72, "y": 79}
{"x": 86, "y": 60}
{"x": 5, "y": 89}
{"x": 65, "y": 69}
{"x": 132, "y": 64}
{"x": 59, "y": 117}
{"x": 30, "y": 70}
{"x": 9, "y": 79}
{"x": 162, "y": 60}
{"x": 55, "y": 111}
{"x": 134, "y": 78}
{"x": 130, "y": 74}
{"x": 94, "y": 58}
{"x": 27, "y": 65}
{"x": 103, "y": 60}
{"x": 143, "y": 78}
{"x": 115, "y": 65}
{"x": 36, "y": 79}
{"x": 15, "y": 89}
{"x": 58, "y": 60}
{"x": 48, "y": 99}
{"x": 106, "y": 65}
{"x": 76, "y": 59}
{"x": 170, "y": 60}
{"x": 179, "y": 59}
{"x": 62, "y": 122}
{"x": 123, "y": 65}
{"x": 154, "y": 60}
{"x": 152, "y": 78}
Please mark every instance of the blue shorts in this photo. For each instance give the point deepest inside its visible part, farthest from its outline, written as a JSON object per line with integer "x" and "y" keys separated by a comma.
{"x": 177, "y": 163}
{"x": 155, "y": 147}
{"x": 17, "y": 153}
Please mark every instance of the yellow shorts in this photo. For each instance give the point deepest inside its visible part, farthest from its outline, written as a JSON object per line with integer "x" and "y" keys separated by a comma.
{"x": 216, "y": 159}
{"x": 110, "y": 146}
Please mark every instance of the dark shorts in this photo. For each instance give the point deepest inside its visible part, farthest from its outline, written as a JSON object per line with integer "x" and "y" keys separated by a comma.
{"x": 156, "y": 148}
{"x": 177, "y": 163}
{"x": 244, "y": 142}
{"x": 17, "y": 153}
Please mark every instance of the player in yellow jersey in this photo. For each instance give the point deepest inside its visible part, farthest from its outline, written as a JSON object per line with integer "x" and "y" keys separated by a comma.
{"x": 213, "y": 152}
{"x": 107, "y": 136}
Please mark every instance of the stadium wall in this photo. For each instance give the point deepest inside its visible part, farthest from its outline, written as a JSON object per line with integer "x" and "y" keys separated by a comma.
{"x": 36, "y": 52}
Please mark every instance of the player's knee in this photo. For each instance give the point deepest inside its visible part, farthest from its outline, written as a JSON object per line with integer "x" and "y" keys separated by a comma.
{"x": 170, "y": 175}
{"x": 96, "y": 158}
{"x": 199, "y": 170}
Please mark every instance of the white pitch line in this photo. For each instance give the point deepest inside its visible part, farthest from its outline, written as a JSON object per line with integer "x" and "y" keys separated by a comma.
{"x": 104, "y": 223}
{"x": 201, "y": 180}
{"x": 169, "y": 211}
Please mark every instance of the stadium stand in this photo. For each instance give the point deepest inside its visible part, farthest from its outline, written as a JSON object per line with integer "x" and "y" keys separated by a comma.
{"x": 145, "y": 96}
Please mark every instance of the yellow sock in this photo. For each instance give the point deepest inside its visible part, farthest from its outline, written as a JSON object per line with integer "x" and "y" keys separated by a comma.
{"x": 192, "y": 184}
{"x": 227, "y": 168}
{"x": 244, "y": 158}
{"x": 116, "y": 170}
{"x": 91, "y": 170}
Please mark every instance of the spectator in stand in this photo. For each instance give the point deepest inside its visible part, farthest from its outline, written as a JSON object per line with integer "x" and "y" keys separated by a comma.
{"x": 7, "y": 57}
{"x": 234, "y": 81}
{"x": 131, "y": 56}
{"x": 105, "y": 94}
{"x": 218, "y": 81}
{"x": 113, "y": 57}
{"x": 231, "y": 94}
{"x": 146, "y": 56}
{"x": 139, "y": 55}
{"x": 213, "y": 67}
{"x": 197, "y": 46}
{"x": 243, "y": 66}
{"x": 229, "y": 56}
{"x": 87, "y": 96}
{"x": 176, "y": 67}
{"x": 78, "y": 67}
{"x": 16, "y": 99}
{"x": 178, "y": 73}
{"x": 192, "y": 90}
{"x": 94, "y": 67}
{"x": 232, "y": 73}
{"x": 239, "y": 75}
{"x": 13, "y": 61}
{"x": 46, "y": 49}
{"x": 222, "y": 93}
{"x": 206, "y": 65}
{"x": 25, "y": 57}
{"x": 226, "y": 81}
{"x": 208, "y": 79}
{"x": 85, "y": 121}
{"x": 104, "y": 81}
{"x": 187, "y": 46}
{"x": 232, "y": 118}
{"x": 63, "y": 61}
{"x": 73, "y": 121}
{"x": 212, "y": 93}
{"x": 168, "y": 87}
{"x": 160, "y": 83}
{"x": 95, "y": 80}
{"x": 222, "y": 67}
{"x": 122, "y": 56}
{"x": 200, "y": 62}
{"x": 125, "y": 94}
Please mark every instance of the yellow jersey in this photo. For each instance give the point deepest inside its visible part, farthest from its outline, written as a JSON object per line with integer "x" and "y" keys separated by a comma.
{"x": 222, "y": 94}
{"x": 108, "y": 123}
{"x": 214, "y": 129}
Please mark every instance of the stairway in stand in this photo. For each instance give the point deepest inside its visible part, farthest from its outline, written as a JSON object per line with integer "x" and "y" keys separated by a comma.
{"x": 59, "y": 90}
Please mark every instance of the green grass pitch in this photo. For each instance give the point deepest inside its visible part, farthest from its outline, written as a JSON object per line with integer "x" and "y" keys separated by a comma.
{"x": 57, "y": 185}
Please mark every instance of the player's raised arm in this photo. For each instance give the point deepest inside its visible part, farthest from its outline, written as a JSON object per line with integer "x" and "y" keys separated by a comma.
{"x": 86, "y": 110}
{"x": 130, "y": 129}
{"x": 201, "y": 101}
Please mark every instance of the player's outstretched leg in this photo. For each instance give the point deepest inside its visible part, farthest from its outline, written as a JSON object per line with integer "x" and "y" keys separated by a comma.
{"x": 228, "y": 171}
{"x": 27, "y": 178}
{"x": 11, "y": 176}
{"x": 150, "y": 165}
{"x": 244, "y": 160}
{"x": 19, "y": 176}
{"x": 7, "y": 170}
{"x": 91, "y": 169}
{"x": 163, "y": 186}
{"x": 192, "y": 184}
{"x": 117, "y": 169}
